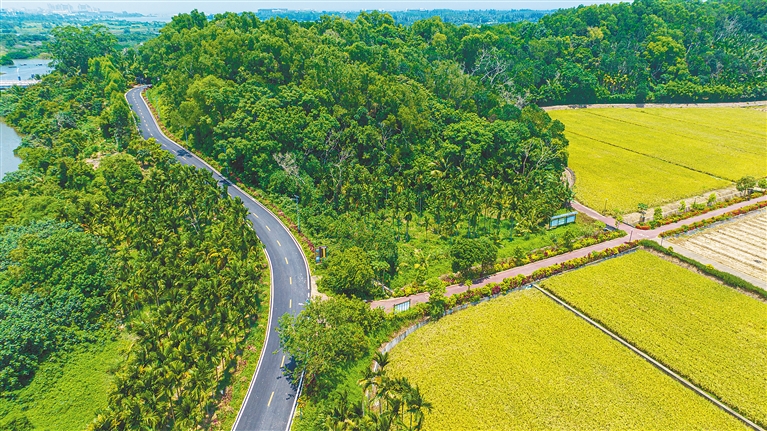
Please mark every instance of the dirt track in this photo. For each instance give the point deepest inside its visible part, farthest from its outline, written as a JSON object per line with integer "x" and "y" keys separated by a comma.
{"x": 658, "y": 105}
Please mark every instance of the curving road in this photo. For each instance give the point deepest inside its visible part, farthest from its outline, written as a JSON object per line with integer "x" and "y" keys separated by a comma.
{"x": 271, "y": 399}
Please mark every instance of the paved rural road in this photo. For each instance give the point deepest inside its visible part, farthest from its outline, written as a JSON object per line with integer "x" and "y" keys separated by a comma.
{"x": 270, "y": 402}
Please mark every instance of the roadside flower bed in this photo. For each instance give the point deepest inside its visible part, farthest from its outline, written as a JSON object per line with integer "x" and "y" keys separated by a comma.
{"x": 556, "y": 250}
{"x": 474, "y": 295}
{"x": 703, "y": 223}
{"x": 652, "y": 224}
{"x": 513, "y": 262}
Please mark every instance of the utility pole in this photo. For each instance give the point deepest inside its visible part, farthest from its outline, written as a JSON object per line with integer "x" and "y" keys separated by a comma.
{"x": 298, "y": 214}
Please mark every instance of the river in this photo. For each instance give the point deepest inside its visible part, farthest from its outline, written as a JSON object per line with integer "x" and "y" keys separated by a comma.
{"x": 25, "y": 69}
{"x": 9, "y": 140}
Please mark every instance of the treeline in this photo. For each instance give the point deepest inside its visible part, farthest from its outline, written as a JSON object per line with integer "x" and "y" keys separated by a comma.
{"x": 103, "y": 234}
{"x": 357, "y": 120}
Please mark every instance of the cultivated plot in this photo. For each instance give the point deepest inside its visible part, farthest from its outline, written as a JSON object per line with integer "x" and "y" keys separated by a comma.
{"x": 710, "y": 333}
{"x": 724, "y": 144}
{"x": 610, "y": 178}
{"x": 741, "y": 244}
{"x": 524, "y": 362}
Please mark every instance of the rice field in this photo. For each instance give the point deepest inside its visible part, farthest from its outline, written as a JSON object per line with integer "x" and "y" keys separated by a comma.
{"x": 523, "y": 362}
{"x": 710, "y": 333}
{"x": 709, "y": 147}
{"x": 741, "y": 244}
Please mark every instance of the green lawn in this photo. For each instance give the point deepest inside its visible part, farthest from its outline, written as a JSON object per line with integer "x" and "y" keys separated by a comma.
{"x": 523, "y": 362}
{"x": 65, "y": 394}
{"x": 712, "y": 334}
{"x": 659, "y": 155}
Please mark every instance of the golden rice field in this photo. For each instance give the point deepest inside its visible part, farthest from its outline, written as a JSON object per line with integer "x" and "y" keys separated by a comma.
{"x": 710, "y": 333}
{"x": 660, "y": 155}
{"x": 524, "y": 362}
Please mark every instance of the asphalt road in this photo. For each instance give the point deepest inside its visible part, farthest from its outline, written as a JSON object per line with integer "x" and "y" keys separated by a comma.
{"x": 270, "y": 402}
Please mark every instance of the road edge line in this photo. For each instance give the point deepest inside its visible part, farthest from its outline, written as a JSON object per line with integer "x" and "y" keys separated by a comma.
{"x": 266, "y": 342}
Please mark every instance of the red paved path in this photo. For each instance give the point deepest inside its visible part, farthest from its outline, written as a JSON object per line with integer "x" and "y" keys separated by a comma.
{"x": 528, "y": 269}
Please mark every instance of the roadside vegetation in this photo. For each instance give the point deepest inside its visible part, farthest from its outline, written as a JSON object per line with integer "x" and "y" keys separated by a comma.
{"x": 707, "y": 332}
{"x": 382, "y": 130}
{"x": 547, "y": 368}
{"x": 106, "y": 239}
{"x": 624, "y": 157}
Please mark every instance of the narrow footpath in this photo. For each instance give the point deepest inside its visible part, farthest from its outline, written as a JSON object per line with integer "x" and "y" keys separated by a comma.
{"x": 632, "y": 235}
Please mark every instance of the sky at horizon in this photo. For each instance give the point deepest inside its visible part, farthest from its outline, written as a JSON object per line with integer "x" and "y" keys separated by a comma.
{"x": 171, "y": 7}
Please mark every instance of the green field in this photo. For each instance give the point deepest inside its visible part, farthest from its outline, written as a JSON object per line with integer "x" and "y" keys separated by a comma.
{"x": 712, "y": 334}
{"x": 660, "y": 155}
{"x": 524, "y": 362}
{"x": 65, "y": 394}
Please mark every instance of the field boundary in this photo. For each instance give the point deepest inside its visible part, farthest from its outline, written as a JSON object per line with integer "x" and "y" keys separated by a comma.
{"x": 651, "y": 360}
{"x": 655, "y": 105}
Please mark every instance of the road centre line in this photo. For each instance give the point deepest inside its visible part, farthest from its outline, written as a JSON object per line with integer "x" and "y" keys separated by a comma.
{"x": 270, "y": 399}
{"x": 267, "y": 228}
{"x": 278, "y": 243}
{"x": 286, "y": 261}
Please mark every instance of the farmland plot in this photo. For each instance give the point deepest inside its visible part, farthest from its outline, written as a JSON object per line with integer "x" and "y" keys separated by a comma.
{"x": 741, "y": 244}
{"x": 723, "y": 144}
{"x": 710, "y": 333}
{"x": 615, "y": 179}
{"x": 524, "y": 362}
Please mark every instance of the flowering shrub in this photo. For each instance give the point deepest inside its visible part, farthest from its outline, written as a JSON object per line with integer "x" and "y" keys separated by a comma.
{"x": 511, "y": 283}
{"x": 703, "y": 223}
{"x": 697, "y": 209}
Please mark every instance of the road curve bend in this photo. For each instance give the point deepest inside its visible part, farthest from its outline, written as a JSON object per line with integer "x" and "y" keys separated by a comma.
{"x": 271, "y": 399}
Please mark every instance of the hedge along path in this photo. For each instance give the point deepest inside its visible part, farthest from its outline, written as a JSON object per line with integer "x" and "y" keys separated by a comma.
{"x": 710, "y": 334}
{"x": 523, "y": 362}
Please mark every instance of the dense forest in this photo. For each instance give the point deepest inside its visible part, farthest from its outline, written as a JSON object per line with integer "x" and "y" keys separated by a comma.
{"x": 104, "y": 236}
{"x": 374, "y": 124}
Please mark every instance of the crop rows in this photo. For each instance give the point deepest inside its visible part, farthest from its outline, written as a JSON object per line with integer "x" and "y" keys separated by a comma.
{"x": 656, "y": 156}
{"x": 618, "y": 179}
{"x": 741, "y": 245}
{"x": 712, "y": 334}
{"x": 522, "y": 361}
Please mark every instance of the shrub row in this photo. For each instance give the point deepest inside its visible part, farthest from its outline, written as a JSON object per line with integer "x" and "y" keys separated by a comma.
{"x": 652, "y": 224}
{"x": 703, "y": 223}
{"x": 474, "y": 295}
{"x": 725, "y": 277}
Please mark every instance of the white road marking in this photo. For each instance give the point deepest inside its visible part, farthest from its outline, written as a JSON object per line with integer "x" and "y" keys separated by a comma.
{"x": 267, "y": 228}
{"x": 278, "y": 243}
{"x": 286, "y": 260}
{"x": 291, "y": 280}
{"x": 270, "y": 399}
{"x": 282, "y": 364}
{"x": 290, "y": 304}
{"x": 255, "y": 215}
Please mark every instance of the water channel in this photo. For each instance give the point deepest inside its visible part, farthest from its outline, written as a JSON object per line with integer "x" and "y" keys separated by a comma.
{"x": 9, "y": 139}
